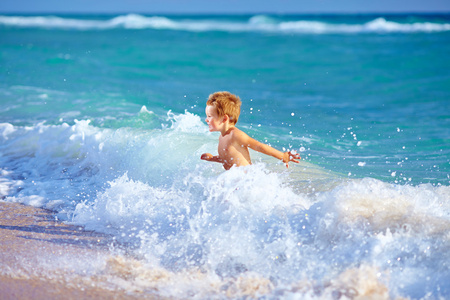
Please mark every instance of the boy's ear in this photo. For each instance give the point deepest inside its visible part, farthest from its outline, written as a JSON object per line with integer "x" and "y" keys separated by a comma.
{"x": 225, "y": 118}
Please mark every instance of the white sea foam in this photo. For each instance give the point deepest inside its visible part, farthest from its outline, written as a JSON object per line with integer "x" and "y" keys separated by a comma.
{"x": 248, "y": 232}
{"x": 51, "y": 22}
{"x": 5, "y": 130}
{"x": 379, "y": 25}
{"x": 259, "y": 23}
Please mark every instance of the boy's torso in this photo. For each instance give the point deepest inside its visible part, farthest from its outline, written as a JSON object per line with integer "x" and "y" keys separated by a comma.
{"x": 231, "y": 152}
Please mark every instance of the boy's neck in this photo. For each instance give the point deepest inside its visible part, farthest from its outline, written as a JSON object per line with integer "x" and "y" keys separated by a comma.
{"x": 226, "y": 129}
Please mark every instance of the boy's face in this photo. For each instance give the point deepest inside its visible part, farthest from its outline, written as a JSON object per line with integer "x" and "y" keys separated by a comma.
{"x": 212, "y": 118}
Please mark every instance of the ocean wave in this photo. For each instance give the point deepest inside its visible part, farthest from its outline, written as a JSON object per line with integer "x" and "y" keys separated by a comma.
{"x": 150, "y": 190}
{"x": 258, "y": 23}
{"x": 42, "y": 156}
{"x": 131, "y": 21}
{"x": 379, "y": 25}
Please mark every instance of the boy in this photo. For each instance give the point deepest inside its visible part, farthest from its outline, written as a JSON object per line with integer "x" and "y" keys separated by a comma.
{"x": 222, "y": 113}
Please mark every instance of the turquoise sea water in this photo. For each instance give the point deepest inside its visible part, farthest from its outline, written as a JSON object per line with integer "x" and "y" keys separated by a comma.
{"x": 102, "y": 121}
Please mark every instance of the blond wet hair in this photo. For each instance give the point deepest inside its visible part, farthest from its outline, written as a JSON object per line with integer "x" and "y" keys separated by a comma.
{"x": 226, "y": 103}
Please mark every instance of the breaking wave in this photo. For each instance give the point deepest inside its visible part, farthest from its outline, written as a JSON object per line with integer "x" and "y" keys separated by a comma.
{"x": 258, "y": 23}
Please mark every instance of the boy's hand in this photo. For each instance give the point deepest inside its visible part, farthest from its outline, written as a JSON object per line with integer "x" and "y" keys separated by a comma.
{"x": 210, "y": 157}
{"x": 207, "y": 156}
{"x": 290, "y": 156}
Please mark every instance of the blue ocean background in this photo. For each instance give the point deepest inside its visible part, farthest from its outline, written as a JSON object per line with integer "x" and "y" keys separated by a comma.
{"x": 102, "y": 121}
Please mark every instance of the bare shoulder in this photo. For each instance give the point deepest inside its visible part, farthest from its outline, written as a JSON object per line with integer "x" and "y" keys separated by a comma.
{"x": 238, "y": 135}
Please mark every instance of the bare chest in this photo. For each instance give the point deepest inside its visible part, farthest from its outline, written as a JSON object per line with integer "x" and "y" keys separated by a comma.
{"x": 231, "y": 153}
{"x": 224, "y": 146}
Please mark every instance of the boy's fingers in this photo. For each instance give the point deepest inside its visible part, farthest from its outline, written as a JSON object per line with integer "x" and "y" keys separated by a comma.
{"x": 296, "y": 161}
{"x": 206, "y": 156}
{"x": 294, "y": 157}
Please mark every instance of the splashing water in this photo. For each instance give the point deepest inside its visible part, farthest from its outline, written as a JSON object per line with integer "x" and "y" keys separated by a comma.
{"x": 253, "y": 231}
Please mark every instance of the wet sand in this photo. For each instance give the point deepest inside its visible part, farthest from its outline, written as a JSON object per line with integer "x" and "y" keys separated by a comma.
{"x": 32, "y": 242}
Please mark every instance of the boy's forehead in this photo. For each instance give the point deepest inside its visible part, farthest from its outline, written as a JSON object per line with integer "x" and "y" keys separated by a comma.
{"x": 211, "y": 109}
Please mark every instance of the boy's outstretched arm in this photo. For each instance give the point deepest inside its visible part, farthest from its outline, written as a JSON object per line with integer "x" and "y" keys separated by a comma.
{"x": 210, "y": 157}
{"x": 286, "y": 157}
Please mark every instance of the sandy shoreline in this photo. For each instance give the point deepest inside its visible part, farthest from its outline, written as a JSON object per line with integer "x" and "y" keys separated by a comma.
{"x": 31, "y": 239}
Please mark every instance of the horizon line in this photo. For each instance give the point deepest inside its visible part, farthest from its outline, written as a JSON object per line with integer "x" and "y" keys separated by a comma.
{"x": 230, "y": 13}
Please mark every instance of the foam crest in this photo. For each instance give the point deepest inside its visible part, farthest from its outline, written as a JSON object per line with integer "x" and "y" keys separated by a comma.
{"x": 134, "y": 21}
{"x": 6, "y": 129}
{"x": 379, "y": 25}
{"x": 382, "y": 25}
{"x": 258, "y": 23}
{"x": 422, "y": 209}
{"x": 51, "y": 22}
{"x": 261, "y": 20}
{"x": 186, "y": 122}
{"x": 43, "y": 156}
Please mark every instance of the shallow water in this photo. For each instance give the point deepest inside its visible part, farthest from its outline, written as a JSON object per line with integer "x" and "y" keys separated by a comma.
{"x": 102, "y": 122}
